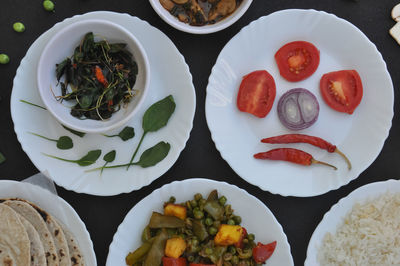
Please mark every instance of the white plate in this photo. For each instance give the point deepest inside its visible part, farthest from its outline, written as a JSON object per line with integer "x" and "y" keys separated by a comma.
{"x": 360, "y": 136}
{"x": 334, "y": 217}
{"x": 169, "y": 75}
{"x": 57, "y": 207}
{"x": 266, "y": 228}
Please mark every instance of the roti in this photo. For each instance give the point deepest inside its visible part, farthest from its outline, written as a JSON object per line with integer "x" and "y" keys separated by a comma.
{"x": 30, "y": 214}
{"x": 14, "y": 240}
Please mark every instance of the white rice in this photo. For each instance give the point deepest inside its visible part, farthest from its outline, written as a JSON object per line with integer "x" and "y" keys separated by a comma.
{"x": 370, "y": 235}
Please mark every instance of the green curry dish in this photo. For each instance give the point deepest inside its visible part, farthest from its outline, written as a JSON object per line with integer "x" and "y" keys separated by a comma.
{"x": 198, "y": 223}
{"x": 98, "y": 78}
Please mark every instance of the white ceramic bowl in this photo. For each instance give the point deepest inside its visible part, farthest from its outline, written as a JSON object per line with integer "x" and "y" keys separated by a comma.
{"x": 62, "y": 45}
{"x": 220, "y": 25}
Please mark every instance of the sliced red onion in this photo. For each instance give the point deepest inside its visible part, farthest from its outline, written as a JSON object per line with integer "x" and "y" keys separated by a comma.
{"x": 298, "y": 109}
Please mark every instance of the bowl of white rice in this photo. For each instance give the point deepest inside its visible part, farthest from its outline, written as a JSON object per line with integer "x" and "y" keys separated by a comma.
{"x": 361, "y": 229}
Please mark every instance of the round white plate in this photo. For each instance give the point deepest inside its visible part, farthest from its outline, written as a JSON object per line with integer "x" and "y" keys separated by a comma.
{"x": 57, "y": 207}
{"x": 360, "y": 136}
{"x": 266, "y": 228}
{"x": 334, "y": 217}
{"x": 169, "y": 75}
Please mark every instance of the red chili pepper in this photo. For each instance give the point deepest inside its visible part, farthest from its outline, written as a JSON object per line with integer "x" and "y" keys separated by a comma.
{"x": 109, "y": 104}
{"x": 100, "y": 77}
{"x": 290, "y": 155}
{"x": 301, "y": 138}
{"x": 173, "y": 262}
{"x": 263, "y": 252}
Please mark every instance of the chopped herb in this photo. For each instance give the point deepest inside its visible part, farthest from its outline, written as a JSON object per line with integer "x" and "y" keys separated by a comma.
{"x": 155, "y": 117}
{"x": 79, "y": 134}
{"x": 63, "y": 143}
{"x": 36, "y": 105}
{"x": 90, "y": 158}
{"x": 150, "y": 157}
{"x": 98, "y": 78}
{"x": 125, "y": 134}
{"x": 2, "y": 158}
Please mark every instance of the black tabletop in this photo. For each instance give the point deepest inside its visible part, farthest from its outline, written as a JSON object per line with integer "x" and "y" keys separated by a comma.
{"x": 200, "y": 158}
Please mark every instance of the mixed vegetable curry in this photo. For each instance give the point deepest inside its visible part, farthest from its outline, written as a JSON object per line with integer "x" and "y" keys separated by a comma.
{"x": 198, "y": 232}
{"x": 200, "y": 12}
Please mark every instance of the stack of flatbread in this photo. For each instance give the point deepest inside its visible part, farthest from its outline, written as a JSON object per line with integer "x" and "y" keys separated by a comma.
{"x": 31, "y": 236}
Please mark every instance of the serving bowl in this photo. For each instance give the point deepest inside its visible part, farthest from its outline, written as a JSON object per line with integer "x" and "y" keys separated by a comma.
{"x": 220, "y": 25}
{"x": 62, "y": 45}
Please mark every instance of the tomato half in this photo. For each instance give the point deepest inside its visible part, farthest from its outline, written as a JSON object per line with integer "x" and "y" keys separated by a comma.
{"x": 342, "y": 90}
{"x": 256, "y": 93}
{"x": 262, "y": 252}
{"x": 297, "y": 60}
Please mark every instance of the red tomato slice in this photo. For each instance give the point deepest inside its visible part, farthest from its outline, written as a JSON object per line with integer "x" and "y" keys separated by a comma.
{"x": 297, "y": 60}
{"x": 262, "y": 252}
{"x": 174, "y": 262}
{"x": 342, "y": 90}
{"x": 256, "y": 93}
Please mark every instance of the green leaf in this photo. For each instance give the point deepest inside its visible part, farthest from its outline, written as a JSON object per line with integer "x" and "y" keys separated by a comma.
{"x": 154, "y": 155}
{"x": 85, "y": 101}
{"x": 80, "y": 134}
{"x": 60, "y": 68}
{"x": 64, "y": 143}
{"x": 2, "y": 158}
{"x": 88, "y": 42}
{"x": 158, "y": 114}
{"x": 89, "y": 158}
{"x": 110, "y": 156}
{"x": 127, "y": 133}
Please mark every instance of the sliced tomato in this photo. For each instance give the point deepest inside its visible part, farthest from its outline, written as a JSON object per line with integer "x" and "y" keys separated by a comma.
{"x": 342, "y": 90}
{"x": 262, "y": 252}
{"x": 174, "y": 262}
{"x": 297, "y": 60}
{"x": 256, "y": 93}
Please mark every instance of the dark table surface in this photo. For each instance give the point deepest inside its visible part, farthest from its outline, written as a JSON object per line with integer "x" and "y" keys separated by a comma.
{"x": 102, "y": 215}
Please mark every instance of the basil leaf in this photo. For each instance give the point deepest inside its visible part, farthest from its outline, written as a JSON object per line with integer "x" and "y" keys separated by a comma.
{"x": 158, "y": 114}
{"x": 90, "y": 158}
{"x": 64, "y": 143}
{"x": 127, "y": 133}
{"x": 154, "y": 155}
{"x": 2, "y": 158}
{"x": 80, "y": 134}
{"x": 110, "y": 156}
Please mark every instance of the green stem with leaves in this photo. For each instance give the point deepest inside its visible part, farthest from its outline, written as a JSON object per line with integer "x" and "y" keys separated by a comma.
{"x": 137, "y": 149}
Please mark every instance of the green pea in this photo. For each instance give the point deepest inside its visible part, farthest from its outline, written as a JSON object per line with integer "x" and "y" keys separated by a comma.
{"x": 209, "y": 251}
{"x": 209, "y": 221}
{"x": 231, "y": 222}
{"x": 250, "y": 237}
{"x": 222, "y": 200}
{"x": 4, "y": 59}
{"x": 19, "y": 27}
{"x": 198, "y": 196}
{"x": 235, "y": 259}
{"x": 172, "y": 199}
{"x": 191, "y": 258}
{"x": 198, "y": 214}
{"x": 212, "y": 230}
{"x": 195, "y": 242}
{"x": 193, "y": 203}
{"x": 237, "y": 219}
{"x": 48, "y": 5}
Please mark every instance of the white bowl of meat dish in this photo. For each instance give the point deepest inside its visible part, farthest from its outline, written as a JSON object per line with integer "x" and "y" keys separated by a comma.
{"x": 93, "y": 76}
{"x": 200, "y": 16}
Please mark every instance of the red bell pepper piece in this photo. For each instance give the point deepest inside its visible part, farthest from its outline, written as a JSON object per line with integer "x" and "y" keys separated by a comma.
{"x": 174, "y": 262}
{"x": 262, "y": 252}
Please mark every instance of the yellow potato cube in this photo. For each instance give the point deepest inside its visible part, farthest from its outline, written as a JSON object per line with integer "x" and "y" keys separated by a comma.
{"x": 175, "y": 247}
{"x": 228, "y": 235}
{"x": 175, "y": 210}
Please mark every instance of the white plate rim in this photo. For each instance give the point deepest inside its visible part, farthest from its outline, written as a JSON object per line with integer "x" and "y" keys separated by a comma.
{"x": 68, "y": 212}
{"x": 381, "y": 62}
{"x": 338, "y": 211}
{"x": 190, "y": 105}
{"x": 213, "y": 184}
